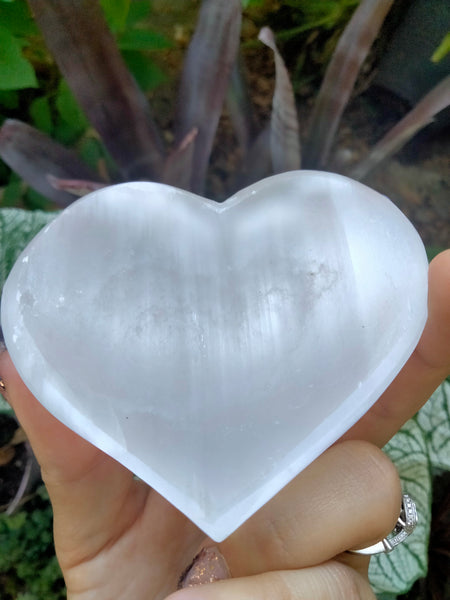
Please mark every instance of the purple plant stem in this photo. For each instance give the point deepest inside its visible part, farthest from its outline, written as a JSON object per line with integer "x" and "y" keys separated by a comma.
{"x": 420, "y": 116}
{"x": 206, "y": 74}
{"x": 77, "y": 35}
{"x": 35, "y": 157}
{"x": 337, "y": 85}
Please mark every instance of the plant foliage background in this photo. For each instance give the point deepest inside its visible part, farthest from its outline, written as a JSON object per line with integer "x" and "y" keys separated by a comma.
{"x": 32, "y": 88}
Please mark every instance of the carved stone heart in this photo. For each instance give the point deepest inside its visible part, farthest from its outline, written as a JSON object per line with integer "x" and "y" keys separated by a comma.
{"x": 217, "y": 349}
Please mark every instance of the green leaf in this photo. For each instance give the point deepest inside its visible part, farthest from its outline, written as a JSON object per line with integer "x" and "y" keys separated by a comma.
{"x": 94, "y": 154}
{"x": 12, "y": 193}
{"x": 17, "y": 229}
{"x": 33, "y": 200}
{"x": 249, "y": 3}
{"x": 142, "y": 39}
{"x": 434, "y": 420}
{"x": 139, "y": 10}
{"x": 116, "y": 13}
{"x": 147, "y": 74}
{"x": 442, "y": 50}
{"x": 16, "y": 72}
{"x": 433, "y": 251}
{"x": 5, "y": 407}
{"x": 9, "y": 99}
{"x": 74, "y": 121}
{"x": 17, "y": 18}
{"x": 41, "y": 114}
{"x": 395, "y": 573}
{"x": 68, "y": 107}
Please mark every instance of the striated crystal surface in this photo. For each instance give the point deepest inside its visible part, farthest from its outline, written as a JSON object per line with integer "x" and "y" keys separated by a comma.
{"x": 217, "y": 349}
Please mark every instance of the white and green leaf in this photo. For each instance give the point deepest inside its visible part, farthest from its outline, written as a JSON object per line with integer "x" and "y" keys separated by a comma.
{"x": 17, "y": 228}
{"x": 395, "y": 573}
{"x": 434, "y": 420}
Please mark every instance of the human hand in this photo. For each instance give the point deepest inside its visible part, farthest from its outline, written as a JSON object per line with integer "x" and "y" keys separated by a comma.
{"x": 116, "y": 538}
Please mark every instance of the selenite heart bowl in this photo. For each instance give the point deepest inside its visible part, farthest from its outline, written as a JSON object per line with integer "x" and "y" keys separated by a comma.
{"x": 217, "y": 349}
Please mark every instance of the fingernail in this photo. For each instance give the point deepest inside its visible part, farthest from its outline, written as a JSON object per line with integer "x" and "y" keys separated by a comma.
{"x": 208, "y": 566}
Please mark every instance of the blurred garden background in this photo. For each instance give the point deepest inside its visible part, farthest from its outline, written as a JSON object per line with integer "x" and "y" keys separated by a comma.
{"x": 406, "y": 66}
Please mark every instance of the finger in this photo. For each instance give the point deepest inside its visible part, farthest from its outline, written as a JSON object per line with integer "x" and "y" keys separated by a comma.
{"x": 95, "y": 499}
{"x": 54, "y": 444}
{"x": 330, "y": 581}
{"x": 78, "y": 476}
{"x": 427, "y": 367}
{"x": 350, "y": 497}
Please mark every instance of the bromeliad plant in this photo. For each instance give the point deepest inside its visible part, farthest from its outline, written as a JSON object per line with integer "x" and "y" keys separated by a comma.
{"x": 95, "y": 71}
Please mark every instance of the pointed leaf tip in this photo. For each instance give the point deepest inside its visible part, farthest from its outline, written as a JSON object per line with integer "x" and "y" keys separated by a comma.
{"x": 284, "y": 126}
{"x": 34, "y": 156}
{"x": 206, "y": 73}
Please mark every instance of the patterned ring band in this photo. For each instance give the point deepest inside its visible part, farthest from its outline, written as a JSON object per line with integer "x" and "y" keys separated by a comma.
{"x": 406, "y": 524}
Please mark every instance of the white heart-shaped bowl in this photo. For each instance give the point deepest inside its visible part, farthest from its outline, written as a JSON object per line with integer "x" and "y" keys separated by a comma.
{"x": 217, "y": 349}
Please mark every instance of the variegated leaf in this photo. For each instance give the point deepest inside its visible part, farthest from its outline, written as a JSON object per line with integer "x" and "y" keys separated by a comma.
{"x": 395, "y": 573}
{"x": 434, "y": 419}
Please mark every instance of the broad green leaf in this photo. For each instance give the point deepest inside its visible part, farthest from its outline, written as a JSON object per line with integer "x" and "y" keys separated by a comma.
{"x": 116, "y": 13}
{"x": 139, "y": 10}
{"x": 41, "y": 114}
{"x": 16, "y": 17}
{"x": 9, "y": 99}
{"x": 33, "y": 200}
{"x": 12, "y": 193}
{"x": 142, "y": 39}
{"x": 17, "y": 228}
{"x": 395, "y": 573}
{"x": 145, "y": 71}
{"x": 69, "y": 110}
{"x": 16, "y": 72}
{"x": 434, "y": 420}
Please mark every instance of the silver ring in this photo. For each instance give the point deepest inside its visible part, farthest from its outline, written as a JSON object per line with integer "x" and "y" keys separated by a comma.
{"x": 406, "y": 524}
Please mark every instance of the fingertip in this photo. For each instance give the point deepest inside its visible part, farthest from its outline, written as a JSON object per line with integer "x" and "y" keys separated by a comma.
{"x": 434, "y": 345}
